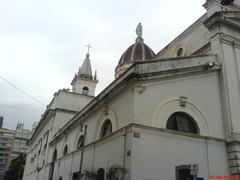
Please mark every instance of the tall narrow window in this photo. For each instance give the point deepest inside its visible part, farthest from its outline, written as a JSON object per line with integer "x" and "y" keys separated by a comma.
{"x": 40, "y": 146}
{"x": 46, "y": 139}
{"x": 80, "y": 142}
{"x": 65, "y": 150}
{"x": 54, "y": 155}
{"x": 181, "y": 121}
{"x": 51, "y": 170}
{"x": 106, "y": 128}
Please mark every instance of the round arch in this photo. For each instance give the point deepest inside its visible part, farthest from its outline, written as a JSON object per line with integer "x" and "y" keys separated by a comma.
{"x": 171, "y": 106}
{"x": 103, "y": 117}
{"x": 100, "y": 174}
{"x": 80, "y": 142}
{"x": 65, "y": 150}
{"x": 180, "y": 121}
{"x": 54, "y": 156}
{"x": 85, "y": 90}
{"x": 79, "y": 133}
{"x": 106, "y": 128}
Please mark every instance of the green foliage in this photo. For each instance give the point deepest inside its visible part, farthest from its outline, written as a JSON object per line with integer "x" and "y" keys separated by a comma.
{"x": 115, "y": 172}
{"x": 16, "y": 168}
{"x": 90, "y": 174}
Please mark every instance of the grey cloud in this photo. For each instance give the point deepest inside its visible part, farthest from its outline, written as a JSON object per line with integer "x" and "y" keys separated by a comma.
{"x": 26, "y": 113}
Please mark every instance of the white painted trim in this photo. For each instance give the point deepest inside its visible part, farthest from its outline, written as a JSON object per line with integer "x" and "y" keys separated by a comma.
{"x": 111, "y": 116}
{"x": 165, "y": 109}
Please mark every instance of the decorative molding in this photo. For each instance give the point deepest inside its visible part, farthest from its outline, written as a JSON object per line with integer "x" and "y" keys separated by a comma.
{"x": 111, "y": 116}
{"x": 106, "y": 110}
{"x": 172, "y": 105}
{"x": 139, "y": 88}
{"x": 182, "y": 101}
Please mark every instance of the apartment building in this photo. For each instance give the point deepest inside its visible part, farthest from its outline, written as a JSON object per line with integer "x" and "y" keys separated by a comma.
{"x": 6, "y": 142}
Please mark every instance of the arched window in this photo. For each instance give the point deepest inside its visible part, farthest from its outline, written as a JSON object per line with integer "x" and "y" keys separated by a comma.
{"x": 106, "y": 128}
{"x": 65, "y": 150}
{"x": 85, "y": 90}
{"x": 100, "y": 174}
{"x": 181, "y": 121}
{"x": 54, "y": 155}
{"x": 80, "y": 142}
{"x": 51, "y": 170}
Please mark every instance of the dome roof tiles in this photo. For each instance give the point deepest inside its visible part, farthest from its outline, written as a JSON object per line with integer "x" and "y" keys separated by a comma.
{"x": 137, "y": 52}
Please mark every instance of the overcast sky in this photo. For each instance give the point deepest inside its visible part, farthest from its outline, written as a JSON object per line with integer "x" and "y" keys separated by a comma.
{"x": 43, "y": 43}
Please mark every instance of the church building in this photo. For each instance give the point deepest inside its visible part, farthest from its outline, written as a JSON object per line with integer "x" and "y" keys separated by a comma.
{"x": 170, "y": 115}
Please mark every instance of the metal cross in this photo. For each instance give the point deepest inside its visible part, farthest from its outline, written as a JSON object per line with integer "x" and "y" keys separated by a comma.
{"x": 88, "y": 47}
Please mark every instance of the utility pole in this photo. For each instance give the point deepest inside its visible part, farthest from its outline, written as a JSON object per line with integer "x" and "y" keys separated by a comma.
{"x": 82, "y": 154}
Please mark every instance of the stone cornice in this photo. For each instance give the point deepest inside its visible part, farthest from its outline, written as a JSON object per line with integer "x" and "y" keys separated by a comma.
{"x": 49, "y": 109}
{"x": 230, "y": 18}
{"x": 210, "y": 3}
{"x": 224, "y": 38}
{"x": 44, "y": 120}
{"x": 148, "y": 130}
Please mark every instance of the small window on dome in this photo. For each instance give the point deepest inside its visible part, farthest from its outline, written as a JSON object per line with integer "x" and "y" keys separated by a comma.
{"x": 85, "y": 90}
{"x": 180, "y": 52}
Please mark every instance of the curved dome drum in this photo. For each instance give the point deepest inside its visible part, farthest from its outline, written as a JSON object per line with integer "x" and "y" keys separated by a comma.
{"x": 136, "y": 52}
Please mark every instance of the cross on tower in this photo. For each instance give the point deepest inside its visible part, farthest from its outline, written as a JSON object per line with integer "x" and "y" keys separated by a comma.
{"x": 88, "y": 47}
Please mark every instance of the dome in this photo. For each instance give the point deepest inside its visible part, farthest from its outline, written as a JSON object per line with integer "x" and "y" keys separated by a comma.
{"x": 138, "y": 51}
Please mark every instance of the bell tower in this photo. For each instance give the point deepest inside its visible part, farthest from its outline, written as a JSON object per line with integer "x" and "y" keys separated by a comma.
{"x": 84, "y": 82}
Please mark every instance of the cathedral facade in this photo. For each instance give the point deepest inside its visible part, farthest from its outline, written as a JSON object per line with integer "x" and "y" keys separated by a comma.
{"x": 171, "y": 115}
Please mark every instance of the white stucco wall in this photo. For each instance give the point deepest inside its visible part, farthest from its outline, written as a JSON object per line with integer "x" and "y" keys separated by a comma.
{"x": 191, "y": 40}
{"x": 155, "y": 156}
{"x": 69, "y": 101}
{"x": 79, "y": 83}
{"x": 103, "y": 154}
{"x": 203, "y": 96}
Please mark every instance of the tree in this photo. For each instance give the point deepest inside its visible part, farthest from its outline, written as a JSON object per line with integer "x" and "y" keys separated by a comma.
{"x": 115, "y": 172}
{"x": 16, "y": 168}
{"x": 89, "y": 175}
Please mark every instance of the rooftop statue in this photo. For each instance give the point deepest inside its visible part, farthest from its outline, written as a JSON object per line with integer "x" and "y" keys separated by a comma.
{"x": 139, "y": 30}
